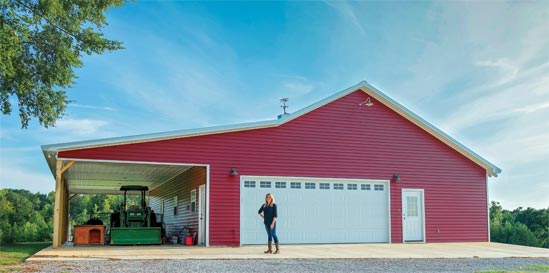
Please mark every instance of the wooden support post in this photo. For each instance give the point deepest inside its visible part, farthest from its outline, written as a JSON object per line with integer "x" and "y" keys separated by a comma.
{"x": 62, "y": 211}
{"x": 61, "y": 208}
{"x": 57, "y": 220}
{"x": 65, "y": 214}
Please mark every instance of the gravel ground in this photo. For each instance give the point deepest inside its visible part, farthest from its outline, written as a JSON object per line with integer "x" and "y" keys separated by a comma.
{"x": 287, "y": 265}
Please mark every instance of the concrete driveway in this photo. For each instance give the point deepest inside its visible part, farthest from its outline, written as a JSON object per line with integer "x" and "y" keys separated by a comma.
{"x": 327, "y": 251}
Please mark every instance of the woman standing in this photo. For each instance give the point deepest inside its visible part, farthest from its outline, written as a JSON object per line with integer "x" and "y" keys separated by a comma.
{"x": 269, "y": 214}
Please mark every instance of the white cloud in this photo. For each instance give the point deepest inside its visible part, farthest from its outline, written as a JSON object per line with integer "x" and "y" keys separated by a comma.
{"x": 196, "y": 88}
{"x": 25, "y": 168}
{"x": 527, "y": 94}
{"x": 532, "y": 108}
{"x": 80, "y": 127}
{"x": 508, "y": 68}
{"x": 106, "y": 108}
{"x": 17, "y": 177}
{"x": 4, "y": 134}
{"x": 347, "y": 11}
{"x": 187, "y": 95}
{"x": 298, "y": 88}
{"x": 520, "y": 189}
{"x": 488, "y": 79}
{"x": 293, "y": 77}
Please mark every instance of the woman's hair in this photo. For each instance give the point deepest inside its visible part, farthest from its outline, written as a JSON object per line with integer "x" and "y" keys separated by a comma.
{"x": 272, "y": 199}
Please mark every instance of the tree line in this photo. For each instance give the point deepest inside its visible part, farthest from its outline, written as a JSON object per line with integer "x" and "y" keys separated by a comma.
{"x": 529, "y": 227}
{"x": 26, "y": 216}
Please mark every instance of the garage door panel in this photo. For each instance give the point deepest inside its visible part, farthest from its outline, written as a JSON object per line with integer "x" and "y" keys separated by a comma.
{"x": 345, "y": 212}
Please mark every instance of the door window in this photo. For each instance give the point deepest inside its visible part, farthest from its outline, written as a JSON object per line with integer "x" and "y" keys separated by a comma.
{"x": 411, "y": 205}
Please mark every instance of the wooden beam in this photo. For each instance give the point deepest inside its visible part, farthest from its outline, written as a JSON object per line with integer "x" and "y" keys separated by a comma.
{"x": 60, "y": 213}
{"x": 66, "y": 167}
{"x": 57, "y": 220}
{"x": 65, "y": 233}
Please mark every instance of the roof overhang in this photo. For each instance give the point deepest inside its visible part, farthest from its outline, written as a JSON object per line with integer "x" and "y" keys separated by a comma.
{"x": 108, "y": 177}
{"x": 51, "y": 151}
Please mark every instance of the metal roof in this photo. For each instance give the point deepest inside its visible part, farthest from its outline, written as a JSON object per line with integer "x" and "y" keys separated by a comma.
{"x": 50, "y": 151}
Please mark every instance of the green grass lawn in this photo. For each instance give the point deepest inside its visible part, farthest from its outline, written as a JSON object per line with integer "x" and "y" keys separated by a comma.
{"x": 11, "y": 254}
{"x": 526, "y": 269}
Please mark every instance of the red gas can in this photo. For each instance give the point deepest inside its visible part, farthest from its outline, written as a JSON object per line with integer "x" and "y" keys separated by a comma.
{"x": 189, "y": 240}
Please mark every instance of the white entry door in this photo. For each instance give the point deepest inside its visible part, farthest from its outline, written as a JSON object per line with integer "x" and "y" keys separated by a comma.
{"x": 316, "y": 210}
{"x": 201, "y": 214}
{"x": 413, "y": 215}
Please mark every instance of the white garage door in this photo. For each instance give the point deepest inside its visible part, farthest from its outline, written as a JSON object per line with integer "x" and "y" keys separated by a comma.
{"x": 316, "y": 210}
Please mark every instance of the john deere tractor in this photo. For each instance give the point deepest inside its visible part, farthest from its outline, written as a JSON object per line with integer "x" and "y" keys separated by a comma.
{"x": 134, "y": 224}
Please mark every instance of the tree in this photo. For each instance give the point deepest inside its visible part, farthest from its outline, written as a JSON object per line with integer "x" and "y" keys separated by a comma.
{"x": 25, "y": 216}
{"x": 528, "y": 227}
{"x": 41, "y": 43}
{"x": 537, "y": 221}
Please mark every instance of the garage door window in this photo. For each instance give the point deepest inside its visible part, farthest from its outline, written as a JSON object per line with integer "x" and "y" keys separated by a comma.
{"x": 365, "y": 187}
{"x": 295, "y": 185}
{"x": 352, "y": 187}
{"x": 378, "y": 187}
{"x": 310, "y": 186}
{"x": 249, "y": 184}
{"x": 324, "y": 186}
{"x": 280, "y": 185}
{"x": 265, "y": 184}
{"x": 338, "y": 186}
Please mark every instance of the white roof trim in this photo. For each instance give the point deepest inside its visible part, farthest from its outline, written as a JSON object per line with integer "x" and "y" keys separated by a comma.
{"x": 363, "y": 85}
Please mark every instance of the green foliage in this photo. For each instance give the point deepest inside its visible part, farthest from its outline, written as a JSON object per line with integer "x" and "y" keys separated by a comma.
{"x": 528, "y": 227}
{"x": 514, "y": 233}
{"x": 85, "y": 206}
{"x": 25, "y": 216}
{"x": 28, "y": 217}
{"x": 41, "y": 43}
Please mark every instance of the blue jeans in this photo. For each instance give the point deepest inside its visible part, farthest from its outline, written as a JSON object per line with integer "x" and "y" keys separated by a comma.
{"x": 271, "y": 232}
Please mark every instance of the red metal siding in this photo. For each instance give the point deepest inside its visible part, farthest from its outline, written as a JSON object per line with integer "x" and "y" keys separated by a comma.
{"x": 340, "y": 139}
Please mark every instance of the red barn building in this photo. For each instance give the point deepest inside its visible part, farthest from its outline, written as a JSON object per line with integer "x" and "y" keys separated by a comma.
{"x": 355, "y": 167}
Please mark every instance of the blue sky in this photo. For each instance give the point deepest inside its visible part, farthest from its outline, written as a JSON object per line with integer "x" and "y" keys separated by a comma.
{"x": 477, "y": 70}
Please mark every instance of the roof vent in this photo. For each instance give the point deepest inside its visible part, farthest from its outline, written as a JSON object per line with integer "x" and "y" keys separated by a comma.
{"x": 283, "y": 106}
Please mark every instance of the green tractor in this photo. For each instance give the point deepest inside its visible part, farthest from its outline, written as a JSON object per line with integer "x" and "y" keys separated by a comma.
{"x": 134, "y": 224}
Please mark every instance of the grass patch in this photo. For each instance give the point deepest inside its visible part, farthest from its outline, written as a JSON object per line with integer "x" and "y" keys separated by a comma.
{"x": 11, "y": 254}
{"x": 537, "y": 268}
{"x": 528, "y": 268}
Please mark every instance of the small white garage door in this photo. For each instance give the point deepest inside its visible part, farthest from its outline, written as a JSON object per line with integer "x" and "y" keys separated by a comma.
{"x": 316, "y": 210}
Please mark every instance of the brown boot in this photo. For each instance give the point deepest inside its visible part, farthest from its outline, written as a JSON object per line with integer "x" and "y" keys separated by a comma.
{"x": 270, "y": 250}
{"x": 276, "y": 251}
